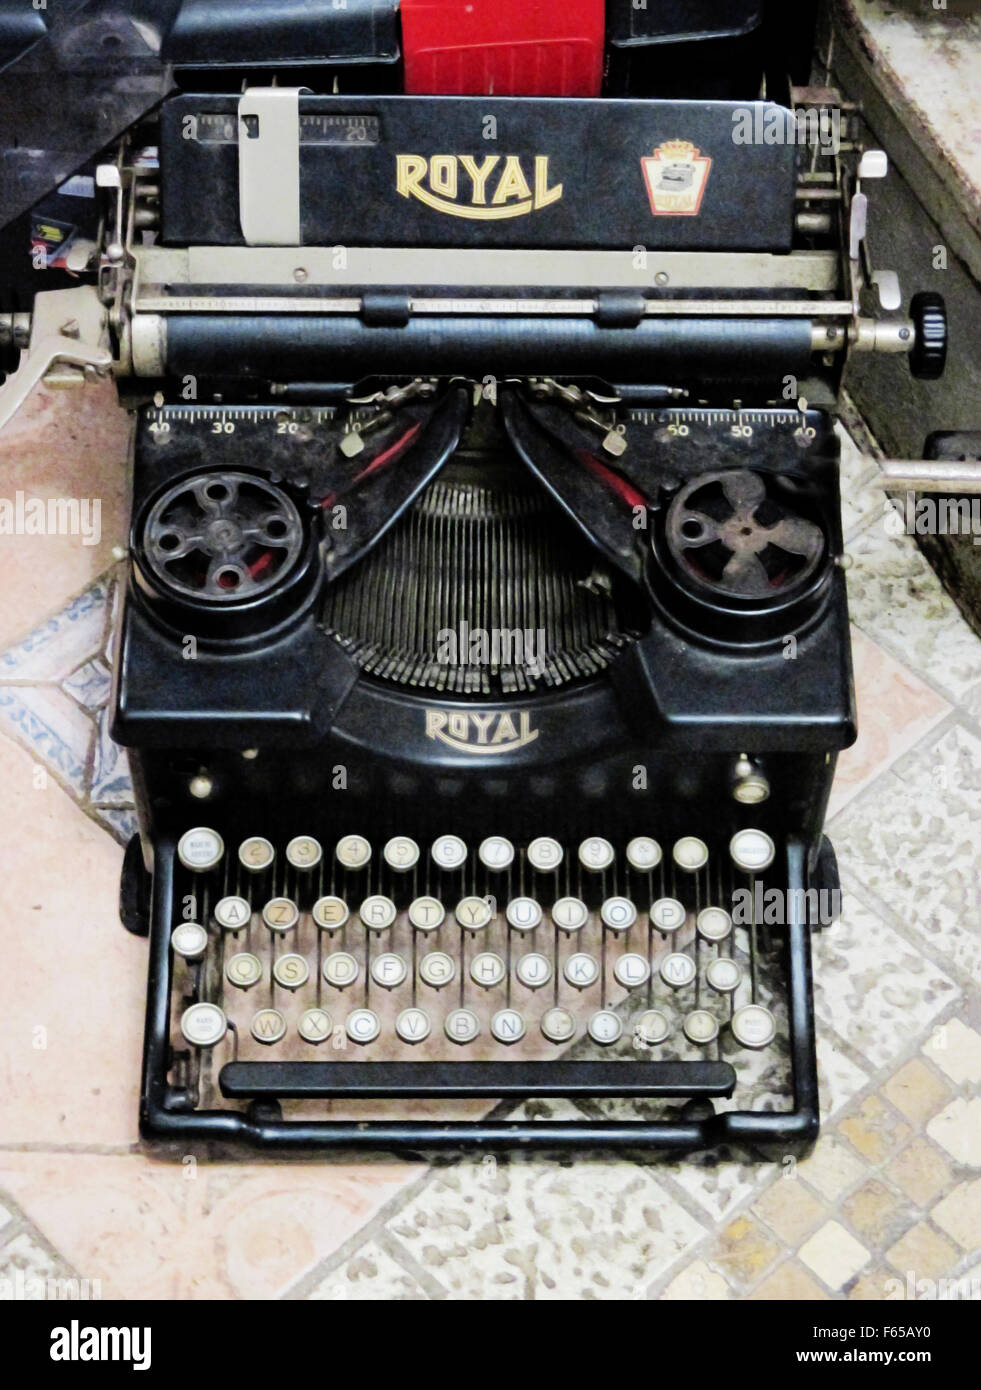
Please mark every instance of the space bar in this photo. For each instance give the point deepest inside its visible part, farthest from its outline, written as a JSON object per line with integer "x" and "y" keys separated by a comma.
{"x": 322, "y": 1080}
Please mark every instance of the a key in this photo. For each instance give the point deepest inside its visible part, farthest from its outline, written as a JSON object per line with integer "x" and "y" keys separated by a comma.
{"x": 619, "y": 914}
{"x": 643, "y": 854}
{"x": 363, "y": 1026}
{"x": 632, "y": 970}
{"x": 604, "y": 1027}
{"x": 652, "y": 1027}
{"x": 204, "y": 1025}
{"x": 232, "y": 913}
{"x": 581, "y": 970}
{"x": 437, "y": 969}
{"x": 256, "y": 854}
{"x": 426, "y": 914}
{"x": 200, "y": 849}
{"x": 304, "y": 852}
{"x": 243, "y": 970}
{"x": 281, "y": 915}
{"x": 723, "y": 975}
{"x": 291, "y": 971}
{"x": 190, "y": 940}
{"x": 389, "y": 970}
{"x": 596, "y": 854}
{"x": 690, "y": 853}
{"x": 524, "y": 914}
{"x": 268, "y": 1027}
{"x": 701, "y": 1027}
{"x": 353, "y": 852}
{"x": 487, "y": 969}
{"x": 678, "y": 970}
{"x": 752, "y": 851}
{"x": 340, "y": 969}
{"x": 377, "y": 912}
{"x": 461, "y": 1026}
{"x": 558, "y": 1025}
{"x": 545, "y": 854}
{"x": 668, "y": 914}
{"x": 413, "y": 1025}
{"x": 401, "y": 853}
{"x": 330, "y": 913}
{"x": 449, "y": 852}
{"x": 473, "y": 913}
{"x": 313, "y": 1026}
{"x": 508, "y": 1026}
{"x": 496, "y": 853}
{"x": 753, "y": 1026}
{"x": 570, "y": 914}
{"x": 534, "y": 970}
{"x": 714, "y": 924}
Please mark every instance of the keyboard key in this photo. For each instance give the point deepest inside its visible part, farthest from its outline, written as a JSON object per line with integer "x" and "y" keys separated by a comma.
{"x": 752, "y": 851}
{"x": 558, "y": 1025}
{"x": 668, "y": 914}
{"x": 473, "y": 913}
{"x": 496, "y": 853}
{"x": 524, "y": 914}
{"x": 508, "y": 1026}
{"x": 256, "y": 854}
{"x": 678, "y": 970}
{"x": 304, "y": 852}
{"x": 714, "y": 924}
{"x": 203, "y": 1025}
{"x": 753, "y": 1026}
{"x": 652, "y": 1028}
{"x": 233, "y": 913}
{"x": 487, "y": 969}
{"x": 330, "y": 913}
{"x": 437, "y": 969}
{"x": 426, "y": 914}
{"x": 604, "y": 1027}
{"x": 389, "y": 970}
{"x": 377, "y": 912}
{"x": 632, "y": 970}
{"x": 596, "y": 854}
{"x": 413, "y": 1025}
{"x": 363, "y": 1026}
{"x": 690, "y": 853}
{"x": 581, "y": 970}
{"x": 353, "y": 852}
{"x": 545, "y": 854}
{"x": 643, "y": 854}
{"x": 723, "y": 975}
{"x": 190, "y": 940}
{"x": 340, "y": 969}
{"x": 449, "y": 853}
{"x": 268, "y": 1027}
{"x": 461, "y": 1026}
{"x": 570, "y": 914}
{"x": 401, "y": 854}
{"x": 281, "y": 914}
{"x": 291, "y": 971}
{"x": 243, "y": 970}
{"x": 619, "y": 914}
{"x": 200, "y": 849}
{"x": 701, "y": 1027}
{"x": 314, "y": 1026}
{"x": 534, "y": 970}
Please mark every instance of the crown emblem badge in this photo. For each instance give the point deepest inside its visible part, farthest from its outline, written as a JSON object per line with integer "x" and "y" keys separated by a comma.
{"x": 676, "y": 175}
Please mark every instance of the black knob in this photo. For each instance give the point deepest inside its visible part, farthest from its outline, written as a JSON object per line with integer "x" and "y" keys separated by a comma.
{"x": 929, "y": 355}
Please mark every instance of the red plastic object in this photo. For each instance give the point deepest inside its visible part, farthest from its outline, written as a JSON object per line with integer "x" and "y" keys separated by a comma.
{"x": 550, "y": 48}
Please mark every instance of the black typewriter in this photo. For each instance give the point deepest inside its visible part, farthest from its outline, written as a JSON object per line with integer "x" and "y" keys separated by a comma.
{"x": 484, "y": 659}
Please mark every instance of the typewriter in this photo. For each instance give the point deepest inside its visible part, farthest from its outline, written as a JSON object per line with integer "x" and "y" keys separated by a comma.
{"x": 484, "y": 658}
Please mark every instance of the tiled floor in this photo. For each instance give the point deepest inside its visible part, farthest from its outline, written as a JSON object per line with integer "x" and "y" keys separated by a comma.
{"x": 891, "y": 1193}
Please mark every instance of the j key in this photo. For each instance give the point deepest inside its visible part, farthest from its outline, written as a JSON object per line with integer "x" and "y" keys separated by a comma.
{"x": 690, "y": 853}
{"x": 752, "y": 851}
{"x": 437, "y": 969}
{"x": 304, "y": 852}
{"x": 426, "y": 914}
{"x": 534, "y": 970}
{"x": 203, "y": 1025}
{"x": 401, "y": 854}
{"x": 280, "y": 914}
{"x": 233, "y": 913}
{"x": 200, "y": 849}
{"x": 256, "y": 854}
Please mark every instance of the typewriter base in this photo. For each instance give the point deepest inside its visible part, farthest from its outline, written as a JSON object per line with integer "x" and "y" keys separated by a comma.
{"x": 166, "y": 1116}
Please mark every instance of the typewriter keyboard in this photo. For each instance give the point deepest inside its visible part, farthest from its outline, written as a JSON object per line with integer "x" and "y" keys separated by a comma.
{"x": 349, "y": 951}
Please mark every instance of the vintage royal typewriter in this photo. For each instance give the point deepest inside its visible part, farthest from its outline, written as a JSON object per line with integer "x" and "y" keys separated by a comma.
{"x": 484, "y": 658}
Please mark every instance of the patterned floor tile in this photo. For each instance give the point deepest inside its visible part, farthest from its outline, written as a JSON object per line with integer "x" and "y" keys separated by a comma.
{"x": 916, "y": 1091}
{"x": 956, "y": 1050}
{"x": 697, "y": 1283}
{"x": 56, "y": 733}
{"x": 924, "y": 1251}
{"x": 833, "y": 1168}
{"x": 63, "y": 642}
{"x": 834, "y": 1255}
{"x": 721, "y": 1182}
{"x": 959, "y": 1214}
{"x": 839, "y": 1077}
{"x": 921, "y": 1171}
{"x": 877, "y": 1214}
{"x": 743, "y": 1252}
{"x": 958, "y": 1130}
{"x": 30, "y": 1273}
{"x": 875, "y": 1129}
{"x": 89, "y": 684}
{"x": 789, "y": 1211}
{"x": 371, "y": 1275}
{"x": 788, "y": 1281}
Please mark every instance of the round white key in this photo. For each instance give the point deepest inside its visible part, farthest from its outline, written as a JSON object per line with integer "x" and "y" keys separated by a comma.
{"x": 233, "y": 913}
{"x": 389, "y": 970}
{"x": 558, "y": 1025}
{"x": 534, "y": 970}
{"x": 330, "y": 913}
{"x": 200, "y": 849}
{"x": 632, "y": 970}
{"x": 524, "y": 914}
{"x": 473, "y": 914}
{"x": 619, "y": 914}
{"x": 714, "y": 924}
{"x": 570, "y": 914}
{"x": 203, "y": 1025}
{"x": 677, "y": 970}
{"x": 596, "y": 854}
{"x": 652, "y": 1028}
{"x": 413, "y": 1025}
{"x": 487, "y": 969}
{"x": 291, "y": 971}
{"x": 313, "y": 1026}
{"x": 461, "y": 1026}
{"x": 281, "y": 914}
{"x": 426, "y": 914}
{"x": 701, "y": 1027}
{"x": 545, "y": 854}
{"x": 353, "y": 851}
{"x": 496, "y": 853}
{"x": 723, "y": 975}
{"x": 256, "y": 854}
{"x": 752, "y": 851}
{"x": 401, "y": 854}
{"x": 508, "y": 1026}
{"x": 304, "y": 852}
{"x": 340, "y": 969}
{"x": 377, "y": 912}
{"x": 690, "y": 853}
{"x": 581, "y": 970}
{"x": 189, "y": 940}
{"x": 753, "y": 1026}
{"x": 363, "y": 1026}
{"x": 437, "y": 969}
{"x": 604, "y": 1027}
{"x": 643, "y": 854}
{"x": 449, "y": 852}
{"x": 268, "y": 1026}
{"x": 243, "y": 970}
{"x": 667, "y": 914}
